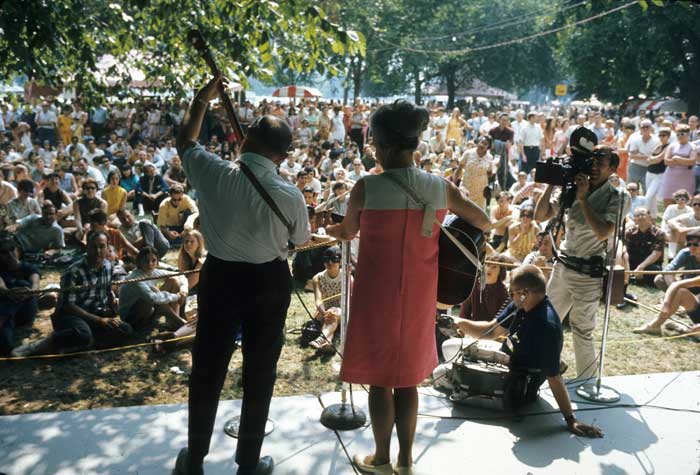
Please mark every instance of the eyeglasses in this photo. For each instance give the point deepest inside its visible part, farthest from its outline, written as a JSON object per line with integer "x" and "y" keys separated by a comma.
{"x": 682, "y": 133}
{"x": 515, "y": 292}
{"x": 681, "y": 198}
{"x": 693, "y": 244}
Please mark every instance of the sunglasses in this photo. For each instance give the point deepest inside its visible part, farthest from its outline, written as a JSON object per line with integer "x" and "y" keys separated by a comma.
{"x": 694, "y": 244}
{"x": 696, "y": 204}
{"x": 681, "y": 133}
{"x": 88, "y": 188}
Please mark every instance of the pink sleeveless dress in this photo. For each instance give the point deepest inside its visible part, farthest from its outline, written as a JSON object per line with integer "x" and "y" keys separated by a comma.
{"x": 391, "y": 329}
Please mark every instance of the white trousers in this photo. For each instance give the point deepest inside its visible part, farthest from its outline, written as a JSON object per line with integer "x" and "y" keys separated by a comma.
{"x": 652, "y": 188}
{"x": 570, "y": 291}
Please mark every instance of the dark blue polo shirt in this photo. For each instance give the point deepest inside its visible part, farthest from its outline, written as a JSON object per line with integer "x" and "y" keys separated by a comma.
{"x": 537, "y": 338}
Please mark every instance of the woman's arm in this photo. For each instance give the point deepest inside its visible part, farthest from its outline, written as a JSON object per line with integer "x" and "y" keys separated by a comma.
{"x": 466, "y": 208}
{"x": 122, "y": 203}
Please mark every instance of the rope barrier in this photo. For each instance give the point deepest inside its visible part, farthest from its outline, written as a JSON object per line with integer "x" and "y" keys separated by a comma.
{"x": 627, "y": 272}
{"x": 92, "y": 352}
{"x": 78, "y": 288}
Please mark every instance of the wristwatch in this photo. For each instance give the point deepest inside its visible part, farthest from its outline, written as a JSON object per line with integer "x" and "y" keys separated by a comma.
{"x": 570, "y": 419}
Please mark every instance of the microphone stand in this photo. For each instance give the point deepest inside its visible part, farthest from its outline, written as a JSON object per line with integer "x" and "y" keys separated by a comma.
{"x": 344, "y": 416}
{"x": 597, "y": 392}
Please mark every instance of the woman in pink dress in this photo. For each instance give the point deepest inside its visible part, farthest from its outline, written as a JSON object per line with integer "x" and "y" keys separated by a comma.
{"x": 390, "y": 343}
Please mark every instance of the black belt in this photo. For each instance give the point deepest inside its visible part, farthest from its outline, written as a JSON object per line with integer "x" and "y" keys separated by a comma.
{"x": 593, "y": 266}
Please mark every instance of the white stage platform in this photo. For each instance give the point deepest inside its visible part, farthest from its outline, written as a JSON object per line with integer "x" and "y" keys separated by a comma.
{"x": 145, "y": 440}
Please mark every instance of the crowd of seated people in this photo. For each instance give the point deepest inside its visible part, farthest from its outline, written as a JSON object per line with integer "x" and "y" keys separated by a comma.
{"x": 112, "y": 174}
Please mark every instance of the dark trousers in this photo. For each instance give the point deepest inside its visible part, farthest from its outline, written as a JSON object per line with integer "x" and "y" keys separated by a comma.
{"x": 14, "y": 314}
{"x": 356, "y": 136}
{"x": 532, "y": 154}
{"x": 153, "y": 237}
{"x": 253, "y": 298}
{"x": 45, "y": 133}
{"x": 72, "y": 333}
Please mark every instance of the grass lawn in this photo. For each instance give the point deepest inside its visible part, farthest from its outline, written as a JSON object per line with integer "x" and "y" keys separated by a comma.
{"x": 138, "y": 376}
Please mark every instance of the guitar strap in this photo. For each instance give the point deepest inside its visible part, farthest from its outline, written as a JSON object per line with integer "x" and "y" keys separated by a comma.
{"x": 265, "y": 195}
{"x": 429, "y": 217}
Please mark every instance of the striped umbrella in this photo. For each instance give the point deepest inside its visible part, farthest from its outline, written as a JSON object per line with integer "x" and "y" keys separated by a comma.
{"x": 296, "y": 91}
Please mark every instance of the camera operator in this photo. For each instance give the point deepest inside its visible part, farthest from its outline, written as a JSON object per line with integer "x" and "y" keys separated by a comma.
{"x": 577, "y": 277}
{"x": 534, "y": 340}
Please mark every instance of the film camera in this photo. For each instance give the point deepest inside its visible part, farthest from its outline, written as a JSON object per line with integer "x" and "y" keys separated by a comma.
{"x": 560, "y": 171}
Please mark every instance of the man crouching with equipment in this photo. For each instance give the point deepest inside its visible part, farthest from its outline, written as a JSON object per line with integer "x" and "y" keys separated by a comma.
{"x": 534, "y": 339}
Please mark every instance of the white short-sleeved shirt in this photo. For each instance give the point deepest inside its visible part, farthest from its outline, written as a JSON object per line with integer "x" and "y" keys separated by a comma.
{"x": 636, "y": 144}
{"x": 238, "y": 225}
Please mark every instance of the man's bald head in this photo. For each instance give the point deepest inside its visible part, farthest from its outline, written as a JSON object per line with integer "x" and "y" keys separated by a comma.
{"x": 269, "y": 136}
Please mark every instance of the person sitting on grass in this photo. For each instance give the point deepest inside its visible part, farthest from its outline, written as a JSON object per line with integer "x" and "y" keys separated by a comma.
{"x": 152, "y": 189}
{"x": 83, "y": 205}
{"x": 142, "y": 233}
{"x": 16, "y": 308}
{"x": 191, "y": 257}
{"x": 84, "y": 317}
{"x": 53, "y": 193}
{"x": 24, "y": 205}
{"x": 119, "y": 244}
{"x": 173, "y": 213}
{"x": 687, "y": 259}
{"x": 39, "y": 233}
{"x": 682, "y": 199}
{"x": 113, "y": 194}
{"x": 645, "y": 243}
{"x": 681, "y": 293}
{"x": 327, "y": 287}
{"x": 485, "y": 305}
{"x": 681, "y": 225}
{"x": 142, "y": 303}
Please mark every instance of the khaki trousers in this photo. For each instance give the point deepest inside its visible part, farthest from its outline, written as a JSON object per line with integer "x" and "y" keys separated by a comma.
{"x": 570, "y": 291}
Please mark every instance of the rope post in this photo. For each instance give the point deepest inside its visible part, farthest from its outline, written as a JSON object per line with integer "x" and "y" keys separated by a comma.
{"x": 344, "y": 416}
{"x": 597, "y": 392}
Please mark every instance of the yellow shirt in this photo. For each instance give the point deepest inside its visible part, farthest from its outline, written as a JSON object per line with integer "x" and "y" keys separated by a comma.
{"x": 113, "y": 197}
{"x": 168, "y": 215}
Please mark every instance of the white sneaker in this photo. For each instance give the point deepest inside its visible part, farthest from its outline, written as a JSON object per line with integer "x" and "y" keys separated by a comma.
{"x": 28, "y": 349}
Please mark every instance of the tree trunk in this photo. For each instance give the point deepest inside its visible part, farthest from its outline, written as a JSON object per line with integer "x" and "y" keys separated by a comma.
{"x": 417, "y": 86}
{"x": 346, "y": 86}
{"x": 357, "y": 72}
{"x": 451, "y": 88}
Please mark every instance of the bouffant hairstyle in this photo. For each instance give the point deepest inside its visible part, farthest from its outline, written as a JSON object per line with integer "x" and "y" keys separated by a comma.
{"x": 398, "y": 126}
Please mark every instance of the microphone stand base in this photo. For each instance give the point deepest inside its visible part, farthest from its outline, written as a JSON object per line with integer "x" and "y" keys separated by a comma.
{"x": 232, "y": 425}
{"x": 343, "y": 417}
{"x": 604, "y": 394}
